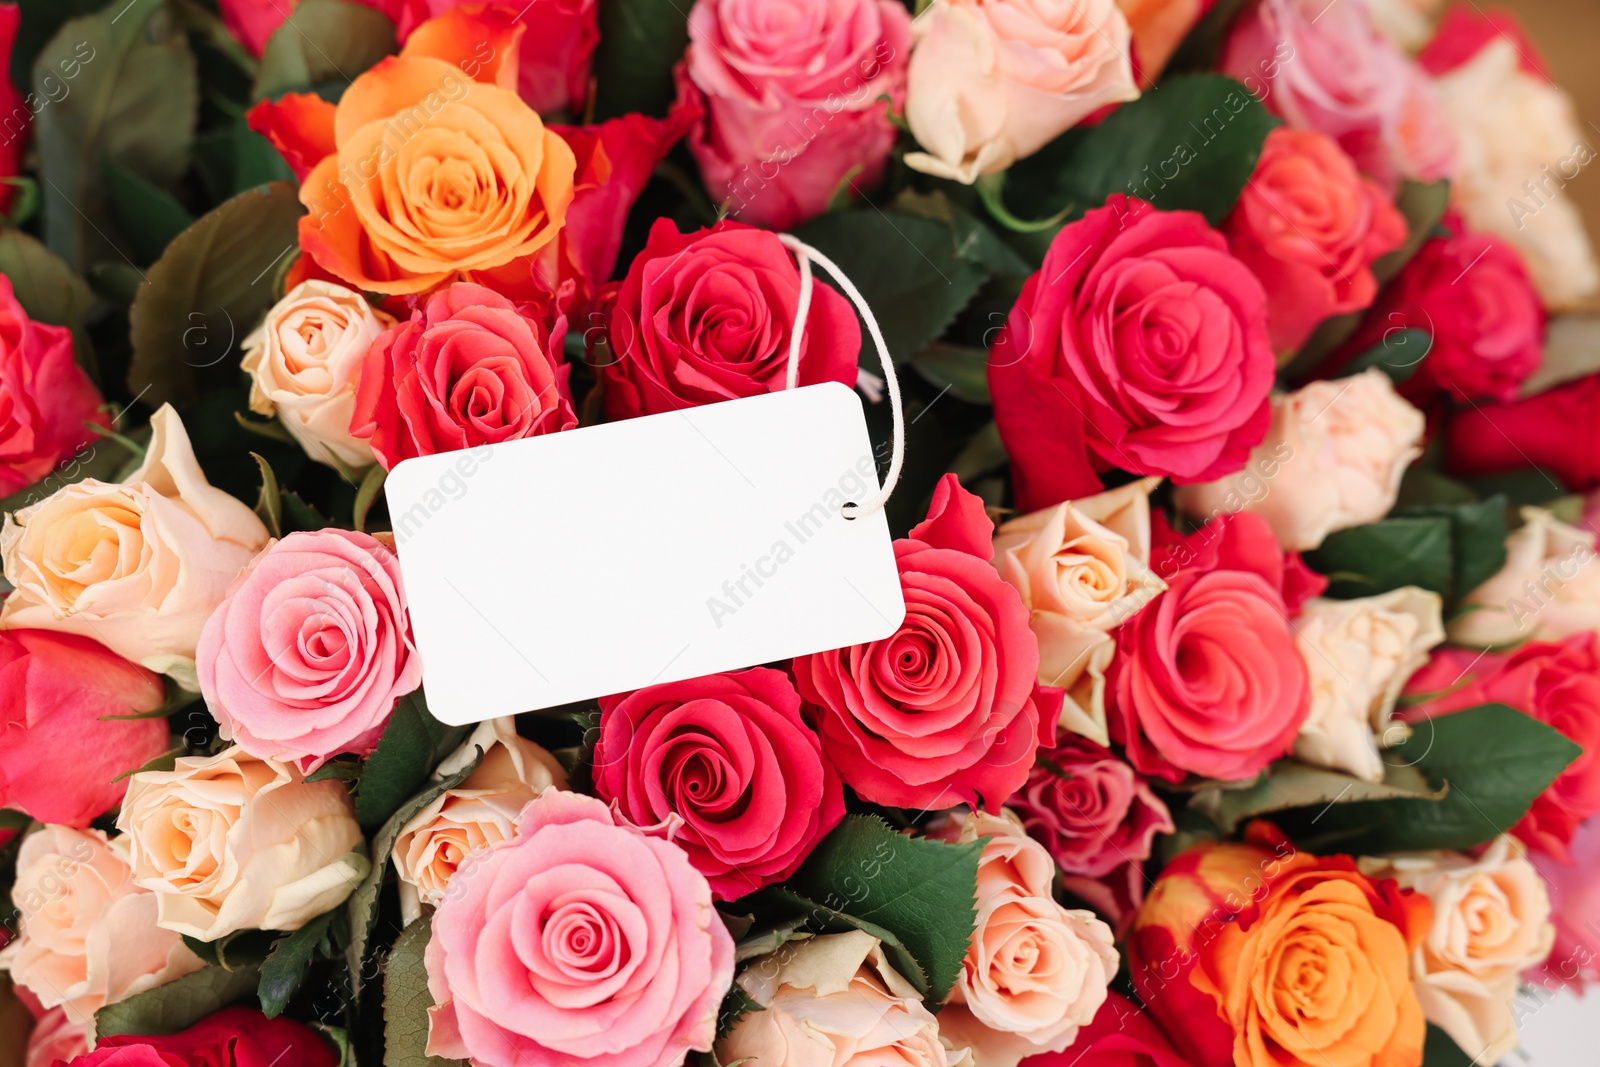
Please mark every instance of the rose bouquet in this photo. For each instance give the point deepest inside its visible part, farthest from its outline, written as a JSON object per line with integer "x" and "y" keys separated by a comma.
{"x": 1246, "y": 707}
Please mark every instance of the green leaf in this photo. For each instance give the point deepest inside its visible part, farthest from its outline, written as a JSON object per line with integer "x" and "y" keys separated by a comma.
{"x": 906, "y": 266}
{"x": 1397, "y": 355}
{"x": 1440, "y": 1050}
{"x": 921, "y": 891}
{"x": 1287, "y": 785}
{"x": 1477, "y": 540}
{"x": 412, "y": 745}
{"x": 178, "y": 1004}
{"x": 133, "y": 102}
{"x": 48, "y": 289}
{"x": 735, "y": 1006}
{"x": 269, "y": 505}
{"x": 963, "y": 371}
{"x": 984, "y": 453}
{"x": 149, "y": 216}
{"x": 371, "y": 485}
{"x": 338, "y": 1039}
{"x": 1202, "y": 48}
{"x": 1368, "y": 560}
{"x": 322, "y": 41}
{"x": 285, "y": 967}
{"x": 1495, "y": 762}
{"x": 640, "y": 42}
{"x": 406, "y": 1001}
{"x": 207, "y": 292}
{"x": 40, "y": 21}
{"x": 819, "y": 918}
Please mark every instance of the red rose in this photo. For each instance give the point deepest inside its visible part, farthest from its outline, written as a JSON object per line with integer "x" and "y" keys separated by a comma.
{"x": 1557, "y": 683}
{"x": 233, "y": 1037}
{"x": 59, "y": 754}
{"x": 1472, "y": 294}
{"x": 16, "y": 117}
{"x": 45, "y": 398}
{"x": 1121, "y": 1035}
{"x": 946, "y": 710}
{"x": 1310, "y": 226}
{"x": 1558, "y": 430}
{"x": 1141, "y": 344}
{"x": 1089, "y": 809}
{"x": 1185, "y": 692}
{"x": 706, "y": 316}
{"x": 730, "y": 756}
{"x": 469, "y": 368}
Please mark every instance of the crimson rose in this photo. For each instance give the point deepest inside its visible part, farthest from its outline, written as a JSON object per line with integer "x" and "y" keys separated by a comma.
{"x": 233, "y": 1037}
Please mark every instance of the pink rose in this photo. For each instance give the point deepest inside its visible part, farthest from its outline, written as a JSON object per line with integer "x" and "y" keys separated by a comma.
{"x": 45, "y": 398}
{"x": 232, "y": 1037}
{"x": 791, "y": 92}
{"x": 312, "y": 647}
{"x": 1083, "y": 373}
{"x": 1311, "y": 227}
{"x": 1574, "y": 909}
{"x": 706, "y": 316}
{"x": 16, "y": 117}
{"x": 1091, "y": 811}
{"x": 56, "y": 1036}
{"x": 1187, "y": 694}
{"x": 730, "y": 758}
{"x": 946, "y": 710}
{"x": 582, "y": 941}
{"x": 468, "y": 368}
{"x": 1326, "y": 67}
{"x": 60, "y": 753}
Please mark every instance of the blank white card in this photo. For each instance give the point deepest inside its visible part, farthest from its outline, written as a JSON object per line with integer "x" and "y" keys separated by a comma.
{"x": 601, "y": 560}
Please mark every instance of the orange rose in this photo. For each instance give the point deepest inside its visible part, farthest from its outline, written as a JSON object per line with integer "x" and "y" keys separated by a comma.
{"x": 1256, "y": 955}
{"x": 430, "y": 167}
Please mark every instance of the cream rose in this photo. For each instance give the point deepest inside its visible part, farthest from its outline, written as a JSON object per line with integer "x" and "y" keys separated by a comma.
{"x": 834, "y": 1001}
{"x": 1491, "y": 922}
{"x": 1548, "y": 589}
{"x": 1520, "y": 144}
{"x": 1408, "y": 23}
{"x": 88, "y": 935}
{"x": 1082, "y": 568}
{"x": 304, "y": 361}
{"x": 1332, "y": 459}
{"x": 1359, "y": 655}
{"x": 232, "y": 842}
{"x": 994, "y": 81}
{"x": 137, "y": 566}
{"x": 1035, "y": 971}
{"x": 468, "y": 818}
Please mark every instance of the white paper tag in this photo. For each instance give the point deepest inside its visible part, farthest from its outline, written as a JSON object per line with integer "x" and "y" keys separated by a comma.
{"x": 575, "y": 565}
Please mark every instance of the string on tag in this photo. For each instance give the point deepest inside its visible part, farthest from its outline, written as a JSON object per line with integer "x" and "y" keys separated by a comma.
{"x": 806, "y": 255}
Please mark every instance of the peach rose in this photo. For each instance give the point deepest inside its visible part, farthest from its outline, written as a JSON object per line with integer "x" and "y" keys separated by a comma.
{"x": 1158, "y": 28}
{"x": 994, "y": 81}
{"x": 1335, "y": 452}
{"x": 480, "y": 812}
{"x": 137, "y": 566}
{"x": 231, "y": 842}
{"x": 88, "y": 934}
{"x": 1035, "y": 972}
{"x": 1548, "y": 589}
{"x": 834, "y": 1001}
{"x": 1082, "y": 568}
{"x": 304, "y": 360}
{"x": 1491, "y": 922}
{"x": 431, "y": 166}
{"x": 1359, "y": 655}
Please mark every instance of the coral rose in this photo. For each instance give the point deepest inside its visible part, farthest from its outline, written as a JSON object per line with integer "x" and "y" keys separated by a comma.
{"x": 303, "y": 361}
{"x": 479, "y": 812}
{"x": 581, "y": 941}
{"x": 727, "y": 768}
{"x": 61, "y": 746}
{"x": 45, "y": 398}
{"x": 1035, "y": 971}
{"x": 1082, "y": 568}
{"x": 1121, "y": 1035}
{"x": 1082, "y": 373}
{"x": 1186, "y": 695}
{"x": 1158, "y": 28}
{"x": 1548, "y": 589}
{"x": 1551, "y": 430}
{"x": 88, "y": 934}
{"x": 430, "y": 167}
{"x": 233, "y": 1037}
{"x": 707, "y": 316}
{"x": 994, "y": 81}
{"x": 1337, "y": 450}
{"x": 1311, "y": 226}
{"x": 231, "y": 842}
{"x": 1251, "y": 954}
{"x": 1491, "y": 922}
{"x": 137, "y": 566}
{"x": 947, "y": 709}
{"x": 792, "y": 95}
{"x": 834, "y": 1001}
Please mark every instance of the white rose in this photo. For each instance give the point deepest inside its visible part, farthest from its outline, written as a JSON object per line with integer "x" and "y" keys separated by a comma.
{"x": 232, "y": 842}
{"x": 1359, "y": 655}
{"x": 1548, "y": 589}
{"x": 304, "y": 361}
